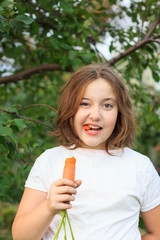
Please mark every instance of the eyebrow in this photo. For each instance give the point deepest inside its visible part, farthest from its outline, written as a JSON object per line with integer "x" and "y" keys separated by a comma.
{"x": 105, "y": 99}
{"x": 112, "y": 99}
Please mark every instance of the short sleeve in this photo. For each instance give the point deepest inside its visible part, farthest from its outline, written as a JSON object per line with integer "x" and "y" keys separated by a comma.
{"x": 151, "y": 181}
{"x": 36, "y": 176}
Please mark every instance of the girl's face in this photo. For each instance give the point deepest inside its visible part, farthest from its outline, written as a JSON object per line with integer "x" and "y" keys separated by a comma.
{"x": 96, "y": 116}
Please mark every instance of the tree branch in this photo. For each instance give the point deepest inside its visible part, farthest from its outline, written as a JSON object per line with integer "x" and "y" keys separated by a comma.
{"x": 152, "y": 28}
{"x": 138, "y": 45}
{"x": 130, "y": 50}
{"x": 37, "y": 105}
{"x": 26, "y": 118}
{"x": 27, "y": 73}
{"x": 47, "y": 24}
{"x": 53, "y": 66}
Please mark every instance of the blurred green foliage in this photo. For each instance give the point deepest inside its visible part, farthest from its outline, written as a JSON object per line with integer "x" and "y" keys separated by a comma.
{"x": 8, "y": 212}
{"x": 67, "y": 33}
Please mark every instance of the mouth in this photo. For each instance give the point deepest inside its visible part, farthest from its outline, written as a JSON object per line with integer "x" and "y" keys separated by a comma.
{"x": 91, "y": 128}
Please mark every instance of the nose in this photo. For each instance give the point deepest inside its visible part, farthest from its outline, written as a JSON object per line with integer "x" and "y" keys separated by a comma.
{"x": 95, "y": 113}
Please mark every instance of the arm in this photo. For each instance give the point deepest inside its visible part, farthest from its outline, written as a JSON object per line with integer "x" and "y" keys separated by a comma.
{"x": 152, "y": 222}
{"x": 36, "y": 212}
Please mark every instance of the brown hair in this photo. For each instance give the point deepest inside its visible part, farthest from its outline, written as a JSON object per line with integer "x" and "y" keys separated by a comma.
{"x": 70, "y": 100}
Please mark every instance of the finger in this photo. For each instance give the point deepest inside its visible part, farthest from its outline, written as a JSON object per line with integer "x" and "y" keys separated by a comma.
{"x": 65, "y": 198}
{"x": 56, "y": 202}
{"x": 66, "y": 189}
{"x": 64, "y": 206}
{"x": 64, "y": 181}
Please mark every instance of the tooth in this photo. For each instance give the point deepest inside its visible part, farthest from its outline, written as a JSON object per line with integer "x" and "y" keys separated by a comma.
{"x": 93, "y": 127}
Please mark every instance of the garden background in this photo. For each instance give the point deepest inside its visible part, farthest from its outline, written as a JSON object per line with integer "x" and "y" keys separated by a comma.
{"x": 41, "y": 44}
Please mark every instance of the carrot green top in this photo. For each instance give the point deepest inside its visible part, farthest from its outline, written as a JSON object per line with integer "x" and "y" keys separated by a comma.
{"x": 69, "y": 169}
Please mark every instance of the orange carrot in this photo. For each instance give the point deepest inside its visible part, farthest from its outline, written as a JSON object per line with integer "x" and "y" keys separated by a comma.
{"x": 86, "y": 127}
{"x": 69, "y": 169}
{"x": 69, "y": 173}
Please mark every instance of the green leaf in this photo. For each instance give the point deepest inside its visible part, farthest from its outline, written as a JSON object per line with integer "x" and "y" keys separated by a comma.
{"x": 12, "y": 109}
{"x": 1, "y": 9}
{"x": 5, "y": 131}
{"x": 155, "y": 76}
{"x": 87, "y": 23}
{"x": 8, "y": 4}
{"x": 66, "y": 7}
{"x": 152, "y": 17}
{"x": 64, "y": 61}
{"x": 77, "y": 64}
{"x": 55, "y": 43}
{"x": 20, "y": 124}
{"x": 12, "y": 13}
{"x": 24, "y": 18}
{"x": 1, "y": 17}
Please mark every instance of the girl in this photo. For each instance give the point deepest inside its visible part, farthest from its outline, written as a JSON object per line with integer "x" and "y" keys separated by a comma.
{"x": 95, "y": 125}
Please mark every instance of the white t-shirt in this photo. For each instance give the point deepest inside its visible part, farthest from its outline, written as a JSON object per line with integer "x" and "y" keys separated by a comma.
{"x": 113, "y": 192}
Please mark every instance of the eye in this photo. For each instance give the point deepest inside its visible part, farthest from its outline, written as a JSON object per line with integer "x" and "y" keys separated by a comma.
{"x": 108, "y": 106}
{"x": 85, "y": 104}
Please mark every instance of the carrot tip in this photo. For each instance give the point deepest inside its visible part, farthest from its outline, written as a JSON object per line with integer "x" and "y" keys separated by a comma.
{"x": 69, "y": 168}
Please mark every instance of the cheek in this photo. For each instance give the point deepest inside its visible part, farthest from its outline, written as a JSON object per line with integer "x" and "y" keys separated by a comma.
{"x": 75, "y": 126}
{"x": 77, "y": 120}
{"x": 79, "y": 116}
{"x": 115, "y": 118}
{"x": 112, "y": 118}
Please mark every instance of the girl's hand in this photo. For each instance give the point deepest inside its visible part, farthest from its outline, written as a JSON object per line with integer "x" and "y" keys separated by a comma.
{"x": 61, "y": 194}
